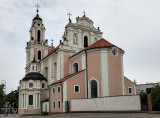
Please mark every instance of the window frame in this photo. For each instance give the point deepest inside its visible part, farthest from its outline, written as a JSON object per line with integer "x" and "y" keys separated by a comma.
{"x": 129, "y": 91}
{"x": 58, "y": 89}
{"x": 54, "y": 90}
{"x": 54, "y": 105}
{"x": 58, "y": 105}
{"x": 78, "y": 89}
{"x": 29, "y": 84}
{"x": 74, "y": 67}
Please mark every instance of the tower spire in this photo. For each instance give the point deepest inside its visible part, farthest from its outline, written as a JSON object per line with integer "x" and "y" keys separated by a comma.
{"x": 69, "y": 14}
{"x": 84, "y": 12}
{"x": 37, "y": 5}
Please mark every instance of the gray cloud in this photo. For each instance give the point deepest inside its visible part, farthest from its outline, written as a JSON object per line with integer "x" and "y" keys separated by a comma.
{"x": 132, "y": 25}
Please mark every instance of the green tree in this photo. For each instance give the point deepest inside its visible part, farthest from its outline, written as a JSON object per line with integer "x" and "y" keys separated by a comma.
{"x": 155, "y": 98}
{"x": 2, "y": 96}
{"x": 12, "y": 98}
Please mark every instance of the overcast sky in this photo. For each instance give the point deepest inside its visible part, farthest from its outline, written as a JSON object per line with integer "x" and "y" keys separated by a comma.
{"x": 133, "y": 25}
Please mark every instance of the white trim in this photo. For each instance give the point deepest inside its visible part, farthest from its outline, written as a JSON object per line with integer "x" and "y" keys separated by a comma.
{"x": 116, "y": 51}
{"x": 89, "y": 87}
{"x": 57, "y": 89}
{"x": 58, "y": 65}
{"x": 104, "y": 73}
{"x": 74, "y": 88}
{"x": 122, "y": 74}
{"x": 54, "y": 90}
{"x": 57, "y": 104}
{"x": 131, "y": 90}
{"x": 64, "y": 95}
{"x": 54, "y": 70}
{"x": 73, "y": 68}
{"x": 62, "y": 64}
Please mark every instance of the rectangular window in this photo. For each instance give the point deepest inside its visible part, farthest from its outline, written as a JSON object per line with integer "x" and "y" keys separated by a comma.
{"x": 76, "y": 88}
{"x": 130, "y": 90}
{"x": 54, "y": 105}
{"x": 30, "y": 99}
{"x": 59, "y": 105}
{"x": 59, "y": 89}
{"x": 53, "y": 90}
{"x": 30, "y": 85}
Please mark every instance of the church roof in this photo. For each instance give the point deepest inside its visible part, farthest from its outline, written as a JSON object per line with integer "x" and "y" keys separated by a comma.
{"x": 66, "y": 77}
{"x": 55, "y": 49}
{"x": 102, "y": 43}
{"x": 34, "y": 76}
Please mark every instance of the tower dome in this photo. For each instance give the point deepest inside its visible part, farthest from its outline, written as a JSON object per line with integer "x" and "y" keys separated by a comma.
{"x": 37, "y": 18}
{"x": 34, "y": 76}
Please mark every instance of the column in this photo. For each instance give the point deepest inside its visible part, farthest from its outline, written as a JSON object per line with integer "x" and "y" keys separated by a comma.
{"x": 26, "y": 100}
{"x": 35, "y": 100}
{"x": 39, "y": 100}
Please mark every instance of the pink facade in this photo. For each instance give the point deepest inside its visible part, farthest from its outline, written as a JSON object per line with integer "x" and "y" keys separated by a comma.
{"x": 79, "y": 67}
{"x": 93, "y": 66}
{"x": 115, "y": 74}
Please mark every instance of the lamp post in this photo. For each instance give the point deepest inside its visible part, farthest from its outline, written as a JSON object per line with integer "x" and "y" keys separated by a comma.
{"x": 4, "y": 82}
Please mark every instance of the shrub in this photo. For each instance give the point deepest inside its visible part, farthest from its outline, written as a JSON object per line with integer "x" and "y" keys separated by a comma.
{"x": 155, "y": 98}
{"x": 45, "y": 113}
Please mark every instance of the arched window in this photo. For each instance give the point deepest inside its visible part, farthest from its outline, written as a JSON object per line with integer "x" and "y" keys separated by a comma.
{"x": 94, "y": 89}
{"x": 38, "y": 35}
{"x": 39, "y": 55}
{"x": 30, "y": 85}
{"x": 75, "y": 38}
{"x": 85, "y": 41}
{"x": 55, "y": 69}
{"x": 75, "y": 67}
{"x": 46, "y": 72}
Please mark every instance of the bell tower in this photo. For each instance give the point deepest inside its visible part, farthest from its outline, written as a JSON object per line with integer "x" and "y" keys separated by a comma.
{"x": 37, "y": 47}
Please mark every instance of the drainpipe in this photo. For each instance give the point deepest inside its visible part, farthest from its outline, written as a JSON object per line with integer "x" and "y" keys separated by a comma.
{"x": 86, "y": 73}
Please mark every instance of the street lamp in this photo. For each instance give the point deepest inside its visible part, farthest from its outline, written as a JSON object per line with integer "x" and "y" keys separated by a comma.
{"x": 4, "y": 82}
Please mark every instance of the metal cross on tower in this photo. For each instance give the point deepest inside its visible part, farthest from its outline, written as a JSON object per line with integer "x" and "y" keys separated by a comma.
{"x": 84, "y": 13}
{"x": 37, "y": 5}
{"x": 69, "y": 14}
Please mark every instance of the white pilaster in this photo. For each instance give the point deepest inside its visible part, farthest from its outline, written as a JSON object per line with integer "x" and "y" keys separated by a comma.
{"x": 50, "y": 70}
{"x": 62, "y": 65}
{"x": 122, "y": 74}
{"x": 58, "y": 66}
{"x": 104, "y": 73}
{"x": 64, "y": 95}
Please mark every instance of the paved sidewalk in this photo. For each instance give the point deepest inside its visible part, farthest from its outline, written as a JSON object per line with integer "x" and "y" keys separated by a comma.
{"x": 91, "y": 115}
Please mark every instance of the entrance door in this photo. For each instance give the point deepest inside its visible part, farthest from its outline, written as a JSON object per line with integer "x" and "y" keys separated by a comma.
{"x": 93, "y": 89}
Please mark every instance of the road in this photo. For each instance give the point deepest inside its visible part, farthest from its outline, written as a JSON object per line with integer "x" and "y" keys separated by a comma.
{"x": 91, "y": 115}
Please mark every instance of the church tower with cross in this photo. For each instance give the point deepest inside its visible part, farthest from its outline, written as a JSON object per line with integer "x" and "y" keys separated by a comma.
{"x": 37, "y": 47}
{"x": 75, "y": 32}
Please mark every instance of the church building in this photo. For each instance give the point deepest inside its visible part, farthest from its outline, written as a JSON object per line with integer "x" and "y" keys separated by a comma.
{"x": 83, "y": 65}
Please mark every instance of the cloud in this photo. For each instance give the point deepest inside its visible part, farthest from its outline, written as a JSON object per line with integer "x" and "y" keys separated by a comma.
{"x": 133, "y": 25}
